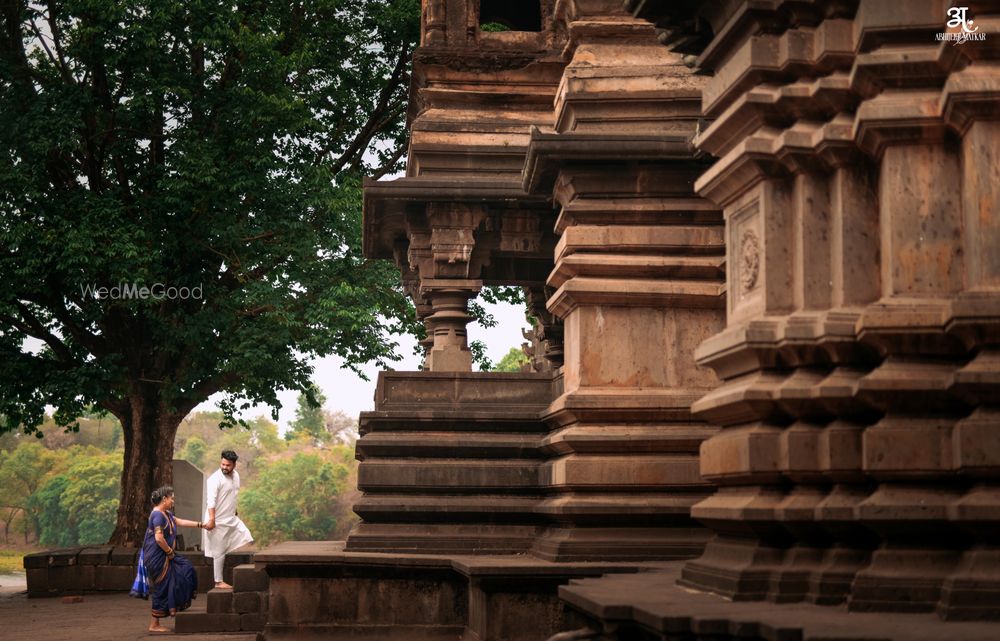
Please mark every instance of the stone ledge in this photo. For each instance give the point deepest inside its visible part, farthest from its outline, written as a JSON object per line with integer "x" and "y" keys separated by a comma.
{"x": 325, "y": 553}
{"x": 653, "y": 605}
{"x": 103, "y": 568}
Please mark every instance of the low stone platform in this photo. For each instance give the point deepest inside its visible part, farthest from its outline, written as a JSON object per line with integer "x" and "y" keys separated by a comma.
{"x": 105, "y": 568}
{"x": 319, "y": 591}
{"x": 651, "y": 607}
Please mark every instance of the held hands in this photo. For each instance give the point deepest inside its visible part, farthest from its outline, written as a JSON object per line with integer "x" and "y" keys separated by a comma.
{"x": 210, "y": 525}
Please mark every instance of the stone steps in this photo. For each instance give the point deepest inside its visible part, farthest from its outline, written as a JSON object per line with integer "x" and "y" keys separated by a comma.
{"x": 241, "y": 609}
{"x": 651, "y": 606}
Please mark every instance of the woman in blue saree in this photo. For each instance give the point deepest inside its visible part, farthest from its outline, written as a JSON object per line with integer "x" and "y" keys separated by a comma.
{"x": 163, "y": 574}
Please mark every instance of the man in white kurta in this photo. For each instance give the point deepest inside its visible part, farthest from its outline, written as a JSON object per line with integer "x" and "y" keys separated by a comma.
{"x": 224, "y": 531}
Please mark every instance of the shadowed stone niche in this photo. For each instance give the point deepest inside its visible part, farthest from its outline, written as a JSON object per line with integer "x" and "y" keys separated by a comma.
{"x": 858, "y": 174}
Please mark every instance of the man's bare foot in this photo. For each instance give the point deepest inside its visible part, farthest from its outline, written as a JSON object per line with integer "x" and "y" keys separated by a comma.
{"x": 158, "y": 628}
{"x": 222, "y": 585}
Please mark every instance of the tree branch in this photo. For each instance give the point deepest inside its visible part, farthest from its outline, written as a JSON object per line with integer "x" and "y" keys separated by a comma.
{"x": 200, "y": 391}
{"x": 54, "y": 28}
{"x": 391, "y": 162}
{"x": 376, "y": 117}
{"x": 95, "y": 344}
{"x": 33, "y": 327}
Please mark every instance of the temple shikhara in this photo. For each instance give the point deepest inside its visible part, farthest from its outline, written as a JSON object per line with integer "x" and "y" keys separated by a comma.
{"x": 760, "y": 240}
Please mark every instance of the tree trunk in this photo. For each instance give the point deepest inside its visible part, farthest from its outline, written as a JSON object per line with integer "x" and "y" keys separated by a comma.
{"x": 149, "y": 431}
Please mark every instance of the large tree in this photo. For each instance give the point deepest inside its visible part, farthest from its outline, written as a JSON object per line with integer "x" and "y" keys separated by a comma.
{"x": 211, "y": 146}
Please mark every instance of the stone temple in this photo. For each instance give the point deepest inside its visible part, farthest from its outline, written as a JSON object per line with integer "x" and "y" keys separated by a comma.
{"x": 761, "y": 242}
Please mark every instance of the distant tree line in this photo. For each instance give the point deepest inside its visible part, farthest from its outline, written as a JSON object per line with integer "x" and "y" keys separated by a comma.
{"x": 63, "y": 489}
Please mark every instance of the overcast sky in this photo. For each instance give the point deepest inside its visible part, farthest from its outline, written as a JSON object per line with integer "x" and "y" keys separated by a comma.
{"x": 346, "y": 391}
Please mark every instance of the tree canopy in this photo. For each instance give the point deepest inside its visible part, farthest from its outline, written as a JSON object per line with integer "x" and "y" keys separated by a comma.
{"x": 513, "y": 361}
{"x": 309, "y": 420}
{"x": 179, "y": 190}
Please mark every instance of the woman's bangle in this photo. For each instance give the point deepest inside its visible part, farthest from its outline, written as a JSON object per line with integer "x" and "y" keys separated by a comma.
{"x": 199, "y": 525}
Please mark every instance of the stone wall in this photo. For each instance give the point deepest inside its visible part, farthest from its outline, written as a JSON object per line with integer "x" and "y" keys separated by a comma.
{"x": 857, "y": 170}
{"x": 105, "y": 568}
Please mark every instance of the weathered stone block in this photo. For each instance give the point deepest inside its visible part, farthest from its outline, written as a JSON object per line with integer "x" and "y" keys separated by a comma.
{"x": 219, "y": 601}
{"x": 747, "y": 452}
{"x": 124, "y": 556}
{"x": 97, "y": 555}
{"x": 114, "y": 578}
{"x": 36, "y": 561}
{"x": 205, "y": 578}
{"x": 38, "y": 581}
{"x": 246, "y": 578}
{"x": 63, "y": 557}
{"x": 254, "y": 622}
{"x": 246, "y": 602}
{"x": 71, "y": 578}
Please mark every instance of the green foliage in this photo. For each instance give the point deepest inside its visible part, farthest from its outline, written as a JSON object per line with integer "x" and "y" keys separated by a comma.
{"x": 12, "y": 561}
{"x": 309, "y": 421}
{"x": 52, "y": 522}
{"x": 63, "y": 495}
{"x": 494, "y": 295}
{"x": 102, "y": 432}
{"x": 22, "y": 471}
{"x": 78, "y": 505}
{"x": 215, "y": 146}
{"x": 207, "y": 157}
{"x": 194, "y": 452}
{"x": 493, "y": 27}
{"x": 479, "y": 357}
{"x": 296, "y": 498}
{"x": 66, "y": 496}
{"x": 512, "y": 361}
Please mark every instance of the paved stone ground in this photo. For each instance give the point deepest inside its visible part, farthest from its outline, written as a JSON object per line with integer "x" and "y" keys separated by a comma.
{"x": 100, "y": 617}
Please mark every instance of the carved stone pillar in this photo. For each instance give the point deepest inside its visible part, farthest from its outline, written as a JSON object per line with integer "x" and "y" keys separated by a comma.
{"x": 443, "y": 255}
{"x": 547, "y": 333}
{"x": 434, "y": 23}
{"x": 449, "y": 302}
{"x": 637, "y": 284}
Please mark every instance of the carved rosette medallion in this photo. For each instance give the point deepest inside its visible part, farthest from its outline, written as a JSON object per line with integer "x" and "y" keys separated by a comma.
{"x": 749, "y": 260}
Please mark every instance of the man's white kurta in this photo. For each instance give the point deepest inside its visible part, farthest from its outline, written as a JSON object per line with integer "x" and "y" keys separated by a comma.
{"x": 230, "y": 532}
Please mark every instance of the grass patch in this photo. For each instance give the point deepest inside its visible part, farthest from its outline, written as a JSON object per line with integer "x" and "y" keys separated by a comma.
{"x": 11, "y": 561}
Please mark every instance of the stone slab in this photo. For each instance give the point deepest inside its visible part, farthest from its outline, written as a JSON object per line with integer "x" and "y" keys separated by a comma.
{"x": 653, "y": 604}
{"x": 220, "y": 601}
{"x": 247, "y": 578}
{"x": 246, "y": 603}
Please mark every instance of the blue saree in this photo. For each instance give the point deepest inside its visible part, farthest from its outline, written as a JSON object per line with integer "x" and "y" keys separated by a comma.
{"x": 172, "y": 583}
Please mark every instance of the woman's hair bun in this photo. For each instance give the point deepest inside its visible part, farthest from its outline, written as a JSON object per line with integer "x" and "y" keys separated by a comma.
{"x": 161, "y": 493}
